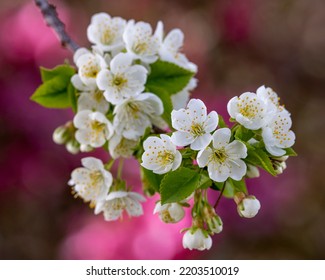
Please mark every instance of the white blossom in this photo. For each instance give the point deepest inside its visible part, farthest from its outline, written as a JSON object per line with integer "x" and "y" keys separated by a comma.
{"x": 93, "y": 128}
{"x": 248, "y": 207}
{"x": 197, "y": 240}
{"x": 181, "y": 98}
{"x": 270, "y": 98}
{"x": 249, "y": 110}
{"x": 160, "y": 154}
{"x": 277, "y": 134}
{"x": 193, "y": 125}
{"x": 121, "y": 147}
{"x": 106, "y": 32}
{"x": 89, "y": 65}
{"x": 123, "y": 80}
{"x": 169, "y": 212}
{"x": 135, "y": 114}
{"x": 91, "y": 182}
{"x": 61, "y": 135}
{"x": 252, "y": 171}
{"x": 116, "y": 202}
{"x": 224, "y": 158}
{"x": 90, "y": 97}
{"x": 216, "y": 224}
{"x": 140, "y": 42}
{"x": 170, "y": 47}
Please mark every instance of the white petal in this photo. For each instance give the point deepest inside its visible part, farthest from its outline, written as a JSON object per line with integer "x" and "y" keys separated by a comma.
{"x": 180, "y": 138}
{"x": 103, "y": 79}
{"x": 121, "y": 62}
{"x": 236, "y": 149}
{"x": 203, "y": 157}
{"x": 83, "y": 136}
{"x": 174, "y": 40}
{"x": 221, "y": 137}
{"x": 114, "y": 195}
{"x": 81, "y": 119}
{"x": 198, "y": 110}
{"x": 79, "y": 52}
{"x": 152, "y": 142}
{"x": 238, "y": 169}
{"x": 177, "y": 160}
{"x": 232, "y": 108}
{"x": 136, "y": 196}
{"x": 181, "y": 120}
{"x": 133, "y": 207}
{"x": 211, "y": 122}
{"x": 275, "y": 151}
{"x": 92, "y": 163}
{"x": 201, "y": 142}
{"x": 218, "y": 172}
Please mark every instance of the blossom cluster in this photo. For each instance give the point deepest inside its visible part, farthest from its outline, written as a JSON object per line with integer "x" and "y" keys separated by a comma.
{"x": 131, "y": 96}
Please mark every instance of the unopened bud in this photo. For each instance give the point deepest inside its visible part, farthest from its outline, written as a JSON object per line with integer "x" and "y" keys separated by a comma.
{"x": 86, "y": 148}
{"x": 73, "y": 147}
{"x": 60, "y": 135}
{"x": 252, "y": 171}
{"x": 197, "y": 239}
{"x": 215, "y": 224}
{"x": 247, "y": 206}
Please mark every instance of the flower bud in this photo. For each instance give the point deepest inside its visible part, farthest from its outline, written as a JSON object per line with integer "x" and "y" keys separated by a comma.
{"x": 60, "y": 135}
{"x": 252, "y": 171}
{"x": 247, "y": 206}
{"x": 170, "y": 212}
{"x": 279, "y": 164}
{"x": 215, "y": 224}
{"x": 86, "y": 148}
{"x": 73, "y": 146}
{"x": 197, "y": 239}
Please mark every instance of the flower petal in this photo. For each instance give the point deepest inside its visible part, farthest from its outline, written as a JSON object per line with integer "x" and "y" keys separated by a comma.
{"x": 201, "y": 142}
{"x": 221, "y": 137}
{"x": 211, "y": 121}
{"x": 203, "y": 157}
{"x": 236, "y": 149}
{"x": 180, "y": 138}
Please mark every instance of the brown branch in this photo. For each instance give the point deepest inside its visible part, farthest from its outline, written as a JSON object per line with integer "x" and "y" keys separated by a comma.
{"x": 52, "y": 19}
{"x": 220, "y": 195}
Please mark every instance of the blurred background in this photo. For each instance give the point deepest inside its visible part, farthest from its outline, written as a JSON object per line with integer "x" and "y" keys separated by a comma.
{"x": 238, "y": 46}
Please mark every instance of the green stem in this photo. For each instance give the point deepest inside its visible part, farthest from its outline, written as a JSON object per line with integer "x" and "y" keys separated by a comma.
{"x": 220, "y": 195}
{"x": 109, "y": 165}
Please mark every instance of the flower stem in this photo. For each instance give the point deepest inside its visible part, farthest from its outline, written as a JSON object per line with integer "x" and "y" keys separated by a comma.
{"x": 220, "y": 195}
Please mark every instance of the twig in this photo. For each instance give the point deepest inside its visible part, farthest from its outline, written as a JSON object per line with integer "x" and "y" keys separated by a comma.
{"x": 52, "y": 19}
{"x": 220, "y": 195}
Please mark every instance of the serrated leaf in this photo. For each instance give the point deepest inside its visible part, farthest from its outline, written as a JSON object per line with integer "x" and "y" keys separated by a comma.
{"x": 178, "y": 185}
{"x": 259, "y": 157}
{"x": 290, "y": 152}
{"x": 61, "y": 70}
{"x": 243, "y": 133}
{"x": 150, "y": 181}
{"x": 239, "y": 186}
{"x": 168, "y": 76}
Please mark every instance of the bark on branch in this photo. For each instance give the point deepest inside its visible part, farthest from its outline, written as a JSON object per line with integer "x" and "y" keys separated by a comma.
{"x": 52, "y": 19}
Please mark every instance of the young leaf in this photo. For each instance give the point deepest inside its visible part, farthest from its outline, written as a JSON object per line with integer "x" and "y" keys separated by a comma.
{"x": 61, "y": 70}
{"x": 150, "y": 181}
{"x": 178, "y": 185}
{"x": 166, "y": 100}
{"x": 243, "y": 133}
{"x": 72, "y": 93}
{"x": 205, "y": 182}
{"x": 221, "y": 123}
{"x": 239, "y": 186}
{"x": 290, "y": 152}
{"x": 167, "y": 76}
{"x": 257, "y": 156}
{"x": 54, "y": 92}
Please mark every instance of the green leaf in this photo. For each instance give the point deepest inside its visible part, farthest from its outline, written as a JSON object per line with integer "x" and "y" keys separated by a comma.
{"x": 167, "y": 76}
{"x": 221, "y": 123}
{"x": 54, "y": 92}
{"x": 150, "y": 181}
{"x": 72, "y": 93}
{"x": 166, "y": 100}
{"x": 205, "y": 181}
{"x": 290, "y": 152}
{"x": 243, "y": 133}
{"x": 232, "y": 186}
{"x": 239, "y": 186}
{"x": 61, "y": 70}
{"x": 178, "y": 185}
{"x": 258, "y": 157}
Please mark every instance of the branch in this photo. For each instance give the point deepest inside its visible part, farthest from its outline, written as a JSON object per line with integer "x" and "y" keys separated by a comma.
{"x": 52, "y": 19}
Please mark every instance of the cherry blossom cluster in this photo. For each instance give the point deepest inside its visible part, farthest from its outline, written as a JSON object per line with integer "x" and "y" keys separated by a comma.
{"x": 131, "y": 96}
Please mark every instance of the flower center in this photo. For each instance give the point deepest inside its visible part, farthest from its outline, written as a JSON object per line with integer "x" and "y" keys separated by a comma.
{"x": 119, "y": 204}
{"x": 90, "y": 70}
{"x": 119, "y": 81}
{"x": 107, "y": 36}
{"x": 95, "y": 177}
{"x": 98, "y": 96}
{"x": 166, "y": 217}
{"x": 165, "y": 157}
{"x": 197, "y": 129}
{"x": 219, "y": 155}
{"x": 140, "y": 47}
{"x": 97, "y": 126}
{"x": 248, "y": 111}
